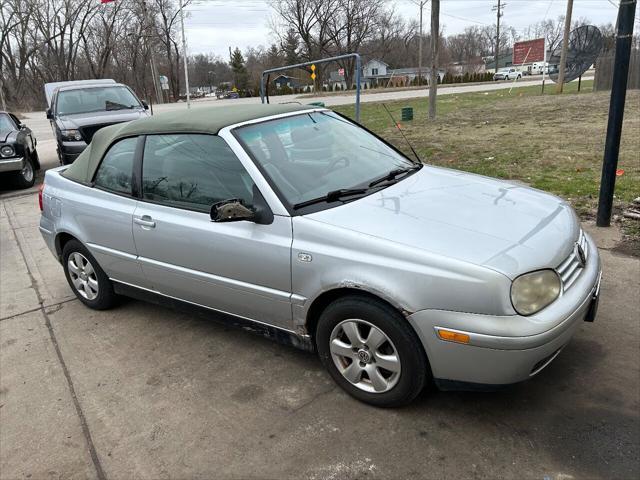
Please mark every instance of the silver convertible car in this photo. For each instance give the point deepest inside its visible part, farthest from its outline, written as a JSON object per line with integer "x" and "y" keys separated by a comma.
{"x": 298, "y": 223}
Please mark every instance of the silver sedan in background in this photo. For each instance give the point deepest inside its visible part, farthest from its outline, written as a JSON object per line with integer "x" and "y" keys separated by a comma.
{"x": 298, "y": 223}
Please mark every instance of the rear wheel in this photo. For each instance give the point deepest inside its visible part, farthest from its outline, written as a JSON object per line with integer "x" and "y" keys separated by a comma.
{"x": 26, "y": 177}
{"x": 87, "y": 280}
{"x": 371, "y": 351}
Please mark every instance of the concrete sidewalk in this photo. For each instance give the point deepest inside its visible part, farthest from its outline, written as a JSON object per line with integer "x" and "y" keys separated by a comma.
{"x": 144, "y": 392}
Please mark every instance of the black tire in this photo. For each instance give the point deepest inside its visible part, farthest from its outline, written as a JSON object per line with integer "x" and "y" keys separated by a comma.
{"x": 414, "y": 371}
{"x": 105, "y": 297}
{"x": 36, "y": 159}
{"x": 26, "y": 177}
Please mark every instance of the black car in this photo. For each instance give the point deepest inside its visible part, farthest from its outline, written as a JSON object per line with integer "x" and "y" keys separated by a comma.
{"x": 78, "y": 109}
{"x": 18, "y": 156}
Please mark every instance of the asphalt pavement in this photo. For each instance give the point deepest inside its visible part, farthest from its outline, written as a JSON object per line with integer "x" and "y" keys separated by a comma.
{"x": 142, "y": 391}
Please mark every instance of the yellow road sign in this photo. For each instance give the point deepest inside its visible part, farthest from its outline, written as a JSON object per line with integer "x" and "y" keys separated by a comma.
{"x": 313, "y": 68}
{"x": 313, "y": 76}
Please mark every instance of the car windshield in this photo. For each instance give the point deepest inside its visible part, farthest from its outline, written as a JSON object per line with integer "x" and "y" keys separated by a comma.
{"x": 95, "y": 99}
{"x": 307, "y": 156}
{"x": 6, "y": 123}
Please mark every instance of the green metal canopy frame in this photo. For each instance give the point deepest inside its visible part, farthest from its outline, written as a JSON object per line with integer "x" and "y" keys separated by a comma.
{"x": 264, "y": 86}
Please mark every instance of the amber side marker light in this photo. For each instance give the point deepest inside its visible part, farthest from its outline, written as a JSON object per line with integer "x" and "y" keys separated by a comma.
{"x": 450, "y": 336}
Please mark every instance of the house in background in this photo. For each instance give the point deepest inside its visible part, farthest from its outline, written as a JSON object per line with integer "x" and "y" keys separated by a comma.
{"x": 374, "y": 68}
{"x": 473, "y": 65}
{"x": 287, "y": 81}
{"x": 504, "y": 60}
{"x": 377, "y": 73}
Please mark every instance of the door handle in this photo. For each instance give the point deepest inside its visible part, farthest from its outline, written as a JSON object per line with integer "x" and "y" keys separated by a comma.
{"x": 145, "y": 221}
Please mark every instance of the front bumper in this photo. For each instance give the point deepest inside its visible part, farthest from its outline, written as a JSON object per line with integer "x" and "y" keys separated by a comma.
{"x": 506, "y": 349}
{"x": 13, "y": 164}
{"x": 69, "y": 151}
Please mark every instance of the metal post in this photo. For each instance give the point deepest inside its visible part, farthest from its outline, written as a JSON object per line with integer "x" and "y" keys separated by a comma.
{"x": 358, "y": 68}
{"x": 544, "y": 63}
{"x": 420, "y": 4}
{"x": 626, "y": 14}
{"x": 435, "y": 37}
{"x": 565, "y": 46}
{"x": 184, "y": 54}
{"x": 263, "y": 87}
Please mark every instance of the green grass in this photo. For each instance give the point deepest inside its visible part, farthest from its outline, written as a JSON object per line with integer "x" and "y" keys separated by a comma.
{"x": 551, "y": 142}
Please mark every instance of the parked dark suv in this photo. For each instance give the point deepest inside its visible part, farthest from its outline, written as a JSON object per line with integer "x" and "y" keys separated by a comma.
{"x": 78, "y": 109}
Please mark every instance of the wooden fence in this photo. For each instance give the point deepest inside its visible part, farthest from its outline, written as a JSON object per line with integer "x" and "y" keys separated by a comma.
{"x": 604, "y": 71}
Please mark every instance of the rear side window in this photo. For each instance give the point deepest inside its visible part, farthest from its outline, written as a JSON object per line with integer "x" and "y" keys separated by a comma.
{"x": 193, "y": 171}
{"x": 114, "y": 173}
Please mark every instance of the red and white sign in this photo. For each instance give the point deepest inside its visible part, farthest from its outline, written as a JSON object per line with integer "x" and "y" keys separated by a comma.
{"x": 341, "y": 72}
{"x": 528, "y": 52}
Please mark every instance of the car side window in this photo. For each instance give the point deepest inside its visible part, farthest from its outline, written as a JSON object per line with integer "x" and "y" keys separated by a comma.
{"x": 115, "y": 170}
{"x": 193, "y": 171}
{"x": 6, "y": 123}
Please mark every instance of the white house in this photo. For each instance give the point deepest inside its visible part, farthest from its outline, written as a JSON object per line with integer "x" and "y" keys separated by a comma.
{"x": 374, "y": 68}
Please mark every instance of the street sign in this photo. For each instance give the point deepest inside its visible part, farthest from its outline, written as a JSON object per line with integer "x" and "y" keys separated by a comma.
{"x": 313, "y": 68}
{"x": 313, "y": 76}
{"x": 164, "y": 82}
{"x": 528, "y": 52}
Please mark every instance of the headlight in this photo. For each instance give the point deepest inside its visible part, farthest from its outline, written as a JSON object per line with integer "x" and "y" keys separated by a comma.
{"x": 533, "y": 291}
{"x": 7, "y": 151}
{"x": 71, "y": 135}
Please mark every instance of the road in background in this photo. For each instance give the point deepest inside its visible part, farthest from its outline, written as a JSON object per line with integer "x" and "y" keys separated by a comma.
{"x": 38, "y": 122}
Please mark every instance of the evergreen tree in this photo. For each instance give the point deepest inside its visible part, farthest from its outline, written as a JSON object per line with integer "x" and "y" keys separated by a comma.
{"x": 274, "y": 57}
{"x": 291, "y": 48}
{"x": 239, "y": 69}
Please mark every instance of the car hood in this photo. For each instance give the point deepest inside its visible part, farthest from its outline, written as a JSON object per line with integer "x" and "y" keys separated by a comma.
{"x": 509, "y": 228}
{"x": 97, "y": 118}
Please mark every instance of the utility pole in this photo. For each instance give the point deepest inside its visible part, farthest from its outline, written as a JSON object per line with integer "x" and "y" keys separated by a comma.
{"x": 624, "y": 37}
{"x": 498, "y": 8}
{"x": 421, "y": 5}
{"x": 184, "y": 54}
{"x": 3, "y": 103}
{"x": 154, "y": 71}
{"x": 435, "y": 37}
{"x": 565, "y": 46}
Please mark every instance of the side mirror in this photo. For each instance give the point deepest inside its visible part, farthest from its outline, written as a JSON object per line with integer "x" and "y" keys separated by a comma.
{"x": 49, "y": 114}
{"x": 145, "y": 104}
{"x": 230, "y": 211}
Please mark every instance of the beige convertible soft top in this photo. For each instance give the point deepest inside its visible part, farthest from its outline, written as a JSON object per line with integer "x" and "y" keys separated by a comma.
{"x": 208, "y": 120}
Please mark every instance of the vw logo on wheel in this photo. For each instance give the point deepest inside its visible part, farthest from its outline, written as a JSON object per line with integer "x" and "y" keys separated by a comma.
{"x": 364, "y": 356}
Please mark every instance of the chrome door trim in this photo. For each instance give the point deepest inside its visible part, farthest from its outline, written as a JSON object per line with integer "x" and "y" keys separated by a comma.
{"x": 111, "y": 251}
{"x": 223, "y": 281}
{"x": 155, "y": 292}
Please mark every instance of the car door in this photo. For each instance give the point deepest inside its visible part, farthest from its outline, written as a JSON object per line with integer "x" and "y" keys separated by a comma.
{"x": 105, "y": 214}
{"x": 24, "y": 135}
{"x": 240, "y": 267}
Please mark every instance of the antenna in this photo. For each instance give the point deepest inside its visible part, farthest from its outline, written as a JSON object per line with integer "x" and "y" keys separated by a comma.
{"x": 585, "y": 44}
{"x": 402, "y": 133}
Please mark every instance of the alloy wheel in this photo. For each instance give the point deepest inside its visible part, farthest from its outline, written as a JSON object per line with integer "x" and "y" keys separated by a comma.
{"x": 83, "y": 276}
{"x": 27, "y": 172}
{"x": 365, "y": 356}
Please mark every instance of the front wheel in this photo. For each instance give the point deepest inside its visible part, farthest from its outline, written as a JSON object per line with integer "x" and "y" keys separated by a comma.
{"x": 371, "y": 351}
{"x": 26, "y": 177}
{"x": 87, "y": 280}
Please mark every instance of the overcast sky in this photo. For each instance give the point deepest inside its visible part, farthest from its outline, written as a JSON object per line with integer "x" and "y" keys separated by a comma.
{"x": 215, "y": 25}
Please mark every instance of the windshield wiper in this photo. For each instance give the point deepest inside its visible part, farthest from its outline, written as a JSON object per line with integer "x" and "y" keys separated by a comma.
{"x": 332, "y": 196}
{"x": 393, "y": 174}
{"x": 109, "y": 105}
